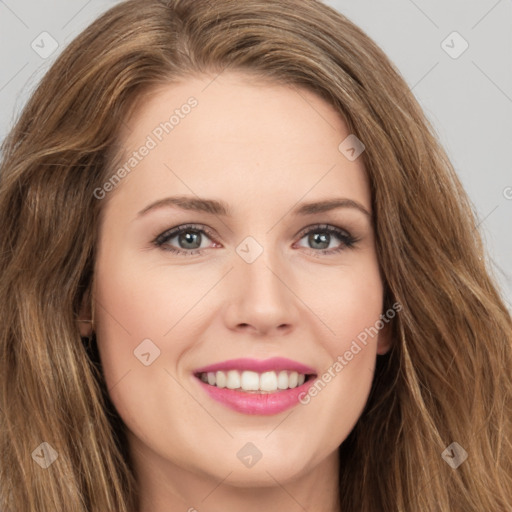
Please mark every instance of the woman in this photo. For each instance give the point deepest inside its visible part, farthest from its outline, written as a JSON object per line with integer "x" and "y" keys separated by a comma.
{"x": 173, "y": 338}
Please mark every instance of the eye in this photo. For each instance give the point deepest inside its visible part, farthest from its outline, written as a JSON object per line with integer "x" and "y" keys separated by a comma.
{"x": 319, "y": 238}
{"x": 189, "y": 239}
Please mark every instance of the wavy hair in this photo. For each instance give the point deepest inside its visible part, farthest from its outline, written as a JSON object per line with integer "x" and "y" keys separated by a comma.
{"x": 447, "y": 377}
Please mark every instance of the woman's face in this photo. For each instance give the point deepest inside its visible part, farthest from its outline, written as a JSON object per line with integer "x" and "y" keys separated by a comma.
{"x": 255, "y": 274}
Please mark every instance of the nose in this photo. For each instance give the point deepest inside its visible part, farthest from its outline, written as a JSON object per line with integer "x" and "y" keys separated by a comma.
{"x": 260, "y": 295}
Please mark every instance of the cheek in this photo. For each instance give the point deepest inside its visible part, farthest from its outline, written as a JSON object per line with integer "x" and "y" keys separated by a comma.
{"x": 142, "y": 299}
{"x": 357, "y": 308}
{"x": 142, "y": 318}
{"x": 137, "y": 302}
{"x": 356, "y": 325}
{"x": 346, "y": 300}
{"x": 349, "y": 303}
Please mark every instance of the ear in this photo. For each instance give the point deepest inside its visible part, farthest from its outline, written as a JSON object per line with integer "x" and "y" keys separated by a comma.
{"x": 384, "y": 340}
{"x": 85, "y": 316}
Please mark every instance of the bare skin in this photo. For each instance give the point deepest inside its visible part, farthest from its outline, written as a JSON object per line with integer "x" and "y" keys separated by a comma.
{"x": 264, "y": 150}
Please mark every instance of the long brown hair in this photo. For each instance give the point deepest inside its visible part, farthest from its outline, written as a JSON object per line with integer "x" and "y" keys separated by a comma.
{"x": 448, "y": 376}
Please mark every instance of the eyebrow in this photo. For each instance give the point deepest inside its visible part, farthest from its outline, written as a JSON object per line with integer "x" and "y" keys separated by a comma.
{"x": 215, "y": 207}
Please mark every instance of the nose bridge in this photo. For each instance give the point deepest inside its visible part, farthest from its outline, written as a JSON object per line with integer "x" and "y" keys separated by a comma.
{"x": 258, "y": 262}
{"x": 259, "y": 265}
{"x": 262, "y": 298}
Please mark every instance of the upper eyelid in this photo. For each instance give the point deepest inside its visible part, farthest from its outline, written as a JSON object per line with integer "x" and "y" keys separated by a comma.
{"x": 172, "y": 232}
{"x": 320, "y": 226}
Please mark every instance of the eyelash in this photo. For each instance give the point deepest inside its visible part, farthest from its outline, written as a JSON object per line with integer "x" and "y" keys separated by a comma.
{"x": 348, "y": 241}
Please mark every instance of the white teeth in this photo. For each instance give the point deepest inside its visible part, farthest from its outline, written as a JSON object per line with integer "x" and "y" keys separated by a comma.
{"x": 221, "y": 380}
{"x": 268, "y": 381}
{"x": 282, "y": 380}
{"x": 233, "y": 380}
{"x": 250, "y": 381}
{"x": 253, "y": 381}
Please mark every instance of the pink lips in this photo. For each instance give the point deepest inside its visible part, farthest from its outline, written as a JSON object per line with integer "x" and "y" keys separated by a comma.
{"x": 256, "y": 365}
{"x": 257, "y": 403}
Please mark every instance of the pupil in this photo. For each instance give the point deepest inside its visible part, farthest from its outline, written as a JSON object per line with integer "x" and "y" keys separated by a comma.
{"x": 192, "y": 237}
{"x": 320, "y": 238}
{"x": 188, "y": 238}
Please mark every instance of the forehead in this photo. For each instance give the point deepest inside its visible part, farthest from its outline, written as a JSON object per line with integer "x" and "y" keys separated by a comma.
{"x": 235, "y": 135}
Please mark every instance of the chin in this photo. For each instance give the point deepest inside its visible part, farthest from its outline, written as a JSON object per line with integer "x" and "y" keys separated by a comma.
{"x": 263, "y": 475}
{"x": 274, "y": 465}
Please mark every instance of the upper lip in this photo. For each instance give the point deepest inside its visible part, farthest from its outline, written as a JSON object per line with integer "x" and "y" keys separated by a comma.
{"x": 258, "y": 365}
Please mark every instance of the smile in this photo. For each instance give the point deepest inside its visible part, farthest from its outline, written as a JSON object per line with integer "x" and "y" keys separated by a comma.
{"x": 252, "y": 386}
{"x": 253, "y": 382}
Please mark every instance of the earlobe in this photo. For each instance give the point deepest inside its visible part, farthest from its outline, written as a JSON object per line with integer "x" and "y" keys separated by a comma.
{"x": 385, "y": 341}
{"x": 85, "y": 320}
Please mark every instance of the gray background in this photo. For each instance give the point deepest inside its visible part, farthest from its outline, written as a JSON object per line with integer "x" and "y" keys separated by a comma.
{"x": 467, "y": 97}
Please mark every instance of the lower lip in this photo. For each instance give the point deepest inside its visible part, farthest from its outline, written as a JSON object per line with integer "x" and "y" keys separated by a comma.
{"x": 257, "y": 403}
